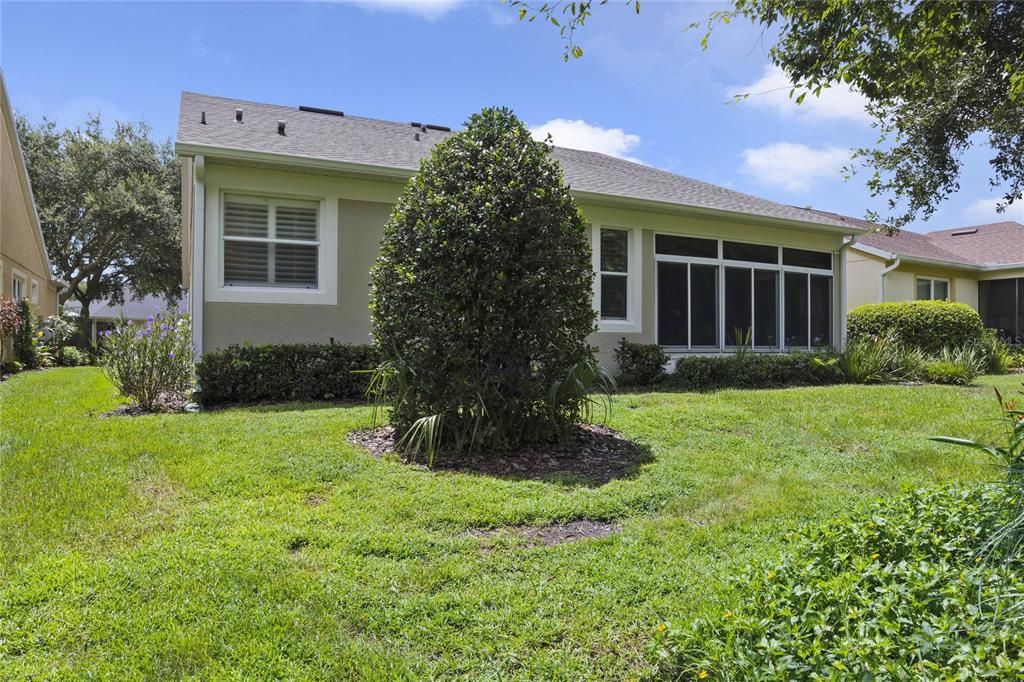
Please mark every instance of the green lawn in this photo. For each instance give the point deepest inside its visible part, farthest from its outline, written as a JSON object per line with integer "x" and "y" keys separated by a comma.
{"x": 259, "y": 543}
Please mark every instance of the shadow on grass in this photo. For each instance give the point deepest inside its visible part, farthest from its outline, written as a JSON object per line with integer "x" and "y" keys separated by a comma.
{"x": 596, "y": 455}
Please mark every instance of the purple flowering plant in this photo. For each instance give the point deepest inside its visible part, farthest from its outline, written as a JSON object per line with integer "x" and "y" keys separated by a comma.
{"x": 151, "y": 362}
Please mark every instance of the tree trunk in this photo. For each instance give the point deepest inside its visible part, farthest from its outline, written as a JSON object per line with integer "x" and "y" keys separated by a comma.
{"x": 84, "y": 337}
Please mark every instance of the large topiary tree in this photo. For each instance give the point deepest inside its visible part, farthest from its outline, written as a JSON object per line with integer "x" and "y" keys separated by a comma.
{"x": 481, "y": 295}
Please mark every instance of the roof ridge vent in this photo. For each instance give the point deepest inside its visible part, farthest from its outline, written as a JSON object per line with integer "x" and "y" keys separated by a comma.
{"x": 960, "y": 233}
{"x": 424, "y": 127}
{"x": 321, "y": 110}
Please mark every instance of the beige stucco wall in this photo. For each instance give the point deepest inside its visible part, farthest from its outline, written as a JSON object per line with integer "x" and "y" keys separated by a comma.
{"x": 901, "y": 284}
{"x": 20, "y": 249}
{"x": 356, "y": 210}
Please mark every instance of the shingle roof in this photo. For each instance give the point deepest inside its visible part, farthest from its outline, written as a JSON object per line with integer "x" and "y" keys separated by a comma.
{"x": 387, "y": 144}
{"x": 977, "y": 245}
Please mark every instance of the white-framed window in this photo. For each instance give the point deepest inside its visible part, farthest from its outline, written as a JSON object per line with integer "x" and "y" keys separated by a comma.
{"x": 18, "y": 286}
{"x": 932, "y": 289}
{"x": 34, "y": 292}
{"x": 617, "y": 296}
{"x": 713, "y": 294}
{"x": 270, "y": 242}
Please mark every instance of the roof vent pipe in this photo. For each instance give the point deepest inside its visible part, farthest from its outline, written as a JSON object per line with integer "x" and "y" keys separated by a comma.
{"x": 280, "y": 127}
{"x": 202, "y": 118}
{"x": 238, "y": 115}
{"x": 417, "y": 136}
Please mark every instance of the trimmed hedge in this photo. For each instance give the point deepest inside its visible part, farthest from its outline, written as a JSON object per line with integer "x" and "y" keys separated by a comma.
{"x": 928, "y": 325}
{"x": 283, "y": 372}
{"x": 707, "y": 372}
{"x": 640, "y": 364}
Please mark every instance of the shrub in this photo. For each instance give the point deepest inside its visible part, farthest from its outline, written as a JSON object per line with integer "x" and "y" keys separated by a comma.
{"x": 707, "y": 372}
{"x": 928, "y": 325}
{"x": 898, "y": 592}
{"x": 957, "y": 366}
{"x": 10, "y": 320}
{"x": 996, "y": 352}
{"x": 151, "y": 362}
{"x": 640, "y": 364}
{"x": 481, "y": 294}
{"x": 28, "y": 348}
{"x": 281, "y": 372}
{"x": 881, "y": 359}
{"x": 70, "y": 356}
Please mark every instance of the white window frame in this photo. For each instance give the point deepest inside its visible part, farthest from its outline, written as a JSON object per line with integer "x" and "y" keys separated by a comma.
{"x": 18, "y": 278}
{"x": 33, "y": 290}
{"x": 931, "y": 288}
{"x": 633, "y": 324}
{"x": 722, "y": 263}
{"x": 271, "y": 239}
{"x": 326, "y": 292}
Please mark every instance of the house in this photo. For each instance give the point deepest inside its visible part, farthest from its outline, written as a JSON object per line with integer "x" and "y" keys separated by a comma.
{"x": 24, "y": 264}
{"x": 284, "y": 208}
{"x": 104, "y": 315}
{"x": 980, "y": 265}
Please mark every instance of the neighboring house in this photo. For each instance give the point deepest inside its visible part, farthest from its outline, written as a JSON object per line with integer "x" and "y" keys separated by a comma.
{"x": 283, "y": 210}
{"x": 104, "y": 315}
{"x": 24, "y": 264}
{"x": 980, "y": 265}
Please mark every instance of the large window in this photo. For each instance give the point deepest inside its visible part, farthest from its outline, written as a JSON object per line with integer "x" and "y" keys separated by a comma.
{"x": 931, "y": 289}
{"x": 751, "y": 294}
{"x": 271, "y": 242}
{"x": 1001, "y": 304}
{"x": 614, "y": 274}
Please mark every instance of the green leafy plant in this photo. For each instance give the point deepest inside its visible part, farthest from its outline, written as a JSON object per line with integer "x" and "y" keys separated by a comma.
{"x": 927, "y": 325}
{"x": 267, "y": 373}
{"x": 1010, "y": 457}
{"x": 709, "y": 372}
{"x": 481, "y": 294}
{"x": 27, "y": 342}
{"x": 640, "y": 364}
{"x": 957, "y": 366}
{"x": 892, "y": 592}
{"x": 10, "y": 321}
{"x": 996, "y": 352}
{"x": 881, "y": 359}
{"x": 151, "y": 362}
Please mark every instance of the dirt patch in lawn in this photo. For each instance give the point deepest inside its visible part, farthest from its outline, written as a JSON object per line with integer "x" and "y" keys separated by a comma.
{"x": 551, "y": 534}
{"x": 595, "y": 456}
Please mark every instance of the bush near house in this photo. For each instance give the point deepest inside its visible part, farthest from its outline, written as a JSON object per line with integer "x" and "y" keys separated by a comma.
{"x": 10, "y": 322}
{"x": 754, "y": 370}
{"x": 896, "y": 592}
{"x": 27, "y": 347}
{"x": 280, "y": 372}
{"x": 151, "y": 363}
{"x": 640, "y": 364}
{"x": 928, "y": 325}
{"x": 481, "y": 295}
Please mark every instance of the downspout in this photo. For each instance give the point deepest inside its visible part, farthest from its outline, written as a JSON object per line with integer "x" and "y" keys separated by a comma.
{"x": 198, "y": 249}
{"x": 842, "y": 289}
{"x": 881, "y": 278}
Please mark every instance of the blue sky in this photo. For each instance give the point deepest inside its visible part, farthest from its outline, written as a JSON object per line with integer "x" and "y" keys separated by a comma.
{"x": 643, "y": 90}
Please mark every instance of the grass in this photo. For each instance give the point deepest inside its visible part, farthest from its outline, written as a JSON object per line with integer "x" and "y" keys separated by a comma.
{"x": 258, "y": 543}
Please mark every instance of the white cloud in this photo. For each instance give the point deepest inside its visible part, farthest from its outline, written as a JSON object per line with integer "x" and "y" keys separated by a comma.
{"x": 984, "y": 211}
{"x": 791, "y": 166}
{"x": 771, "y": 91}
{"x": 579, "y": 134}
{"x": 428, "y": 9}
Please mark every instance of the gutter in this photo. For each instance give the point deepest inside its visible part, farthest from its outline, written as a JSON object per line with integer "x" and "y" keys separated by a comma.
{"x": 881, "y": 277}
{"x": 842, "y": 289}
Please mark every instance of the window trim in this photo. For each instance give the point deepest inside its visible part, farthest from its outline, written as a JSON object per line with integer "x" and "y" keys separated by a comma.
{"x": 17, "y": 276}
{"x": 931, "y": 287}
{"x": 33, "y": 291}
{"x": 271, "y": 239}
{"x": 633, "y": 323}
{"x": 752, "y": 266}
{"x": 327, "y": 253}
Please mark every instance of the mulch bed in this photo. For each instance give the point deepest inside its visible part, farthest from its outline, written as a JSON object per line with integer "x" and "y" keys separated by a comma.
{"x": 596, "y": 454}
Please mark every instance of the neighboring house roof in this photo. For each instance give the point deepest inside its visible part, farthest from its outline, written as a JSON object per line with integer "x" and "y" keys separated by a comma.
{"x": 140, "y": 309}
{"x": 375, "y": 144}
{"x": 7, "y": 114}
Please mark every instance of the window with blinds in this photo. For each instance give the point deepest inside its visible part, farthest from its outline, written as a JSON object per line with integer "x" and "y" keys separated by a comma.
{"x": 271, "y": 242}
